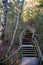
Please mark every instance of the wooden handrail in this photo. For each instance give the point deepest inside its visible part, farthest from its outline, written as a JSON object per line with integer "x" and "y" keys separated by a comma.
{"x": 11, "y": 55}
{"x": 38, "y": 48}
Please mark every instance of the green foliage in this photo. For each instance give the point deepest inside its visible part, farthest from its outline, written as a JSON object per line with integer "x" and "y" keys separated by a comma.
{"x": 12, "y": 11}
{"x": 41, "y": 5}
{"x": 39, "y": 26}
{"x": 29, "y": 13}
{"x": 35, "y": 13}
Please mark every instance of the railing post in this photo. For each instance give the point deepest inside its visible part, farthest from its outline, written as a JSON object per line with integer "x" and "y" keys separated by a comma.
{"x": 38, "y": 50}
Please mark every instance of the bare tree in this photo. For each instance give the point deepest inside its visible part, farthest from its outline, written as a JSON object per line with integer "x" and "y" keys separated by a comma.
{"x": 20, "y": 5}
{"x": 3, "y": 19}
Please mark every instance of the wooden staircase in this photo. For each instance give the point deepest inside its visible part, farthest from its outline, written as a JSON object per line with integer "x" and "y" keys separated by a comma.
{"x": 28, "y": 47}
{"x": 29, "y": 52}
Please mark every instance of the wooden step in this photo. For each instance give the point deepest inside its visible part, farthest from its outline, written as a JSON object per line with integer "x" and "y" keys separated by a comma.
{"x": 28, "y": 48}
{"x": 27, "y": 43}
{"x": 27, "y": 39}
{"x": 29, "y": 55}
{"x": 29, "y": 52}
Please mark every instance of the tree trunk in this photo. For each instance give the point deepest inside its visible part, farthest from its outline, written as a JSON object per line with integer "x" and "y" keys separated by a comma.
{"x": 18, "y": 20}
{"x": 3, "y": 19}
